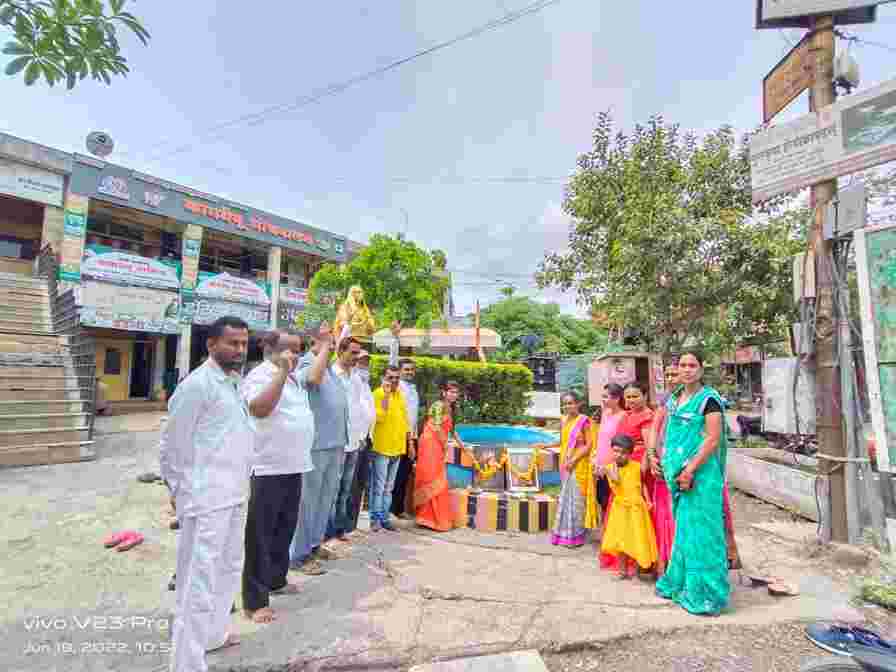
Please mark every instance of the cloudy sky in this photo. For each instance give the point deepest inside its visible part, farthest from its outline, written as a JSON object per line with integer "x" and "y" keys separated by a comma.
{"x": 464, "y": 149}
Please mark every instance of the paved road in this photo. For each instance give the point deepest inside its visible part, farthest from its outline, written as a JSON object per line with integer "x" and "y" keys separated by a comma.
{"x": 398, "y": 599}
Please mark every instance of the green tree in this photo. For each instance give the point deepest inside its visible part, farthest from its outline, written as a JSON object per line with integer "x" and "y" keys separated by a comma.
{"x": 518, "y": 316}
{"x": 67, "y": 40}
{"x": 397, "y": 278}
{"x": 665, "y": 240}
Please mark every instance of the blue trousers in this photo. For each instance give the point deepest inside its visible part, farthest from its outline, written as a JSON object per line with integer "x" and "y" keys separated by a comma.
{"x": 383, "y": 471}
{"x": 319, "y": 489}
{"x": 341, "y": 518}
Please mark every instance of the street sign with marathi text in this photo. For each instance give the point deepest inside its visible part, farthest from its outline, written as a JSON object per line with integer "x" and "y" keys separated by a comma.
{"x": 797, "y": 13}
{"x": 853, "y": 134}
{"x": 788, "y": 79}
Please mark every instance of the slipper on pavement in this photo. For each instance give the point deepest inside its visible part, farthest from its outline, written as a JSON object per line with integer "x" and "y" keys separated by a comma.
{"x": 149, "y": 477}
{"x": 134, "y": 539}
{"x": 783, "y": 589}
{"x": 116, "y": 538}
{"x": 839, "y": 639}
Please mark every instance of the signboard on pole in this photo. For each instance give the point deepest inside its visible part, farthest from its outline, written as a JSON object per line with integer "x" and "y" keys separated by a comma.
{"x": 853, "y": 134}
{"x": 797, "y": 13}
{"x": 876, "y": 274}
{"x": 788, "y": 79}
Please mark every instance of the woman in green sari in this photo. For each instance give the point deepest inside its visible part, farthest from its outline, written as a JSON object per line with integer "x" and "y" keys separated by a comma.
{"x": 694, "y": 467}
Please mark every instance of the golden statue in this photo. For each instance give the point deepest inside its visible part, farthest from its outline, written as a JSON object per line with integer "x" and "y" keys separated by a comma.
{"x": 355, "y": 313}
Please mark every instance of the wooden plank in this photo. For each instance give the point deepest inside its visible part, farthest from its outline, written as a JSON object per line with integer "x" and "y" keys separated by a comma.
{"x": 788, "y": 79}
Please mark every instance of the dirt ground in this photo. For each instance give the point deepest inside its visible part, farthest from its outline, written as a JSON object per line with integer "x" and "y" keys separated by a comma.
{"x": 774, "y": 648}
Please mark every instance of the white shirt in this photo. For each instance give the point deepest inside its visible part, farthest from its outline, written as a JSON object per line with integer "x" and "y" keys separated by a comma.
{"x": 284, "y": 438}
{"x": 362, "y": 412}
{"x": 208, "y": 443}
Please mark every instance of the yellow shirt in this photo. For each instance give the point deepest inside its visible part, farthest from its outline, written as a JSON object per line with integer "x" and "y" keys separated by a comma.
{"x": 390, "y": 432}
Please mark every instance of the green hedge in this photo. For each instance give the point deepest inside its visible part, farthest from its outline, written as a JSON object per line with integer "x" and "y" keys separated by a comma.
{"x": 489, "y": 392}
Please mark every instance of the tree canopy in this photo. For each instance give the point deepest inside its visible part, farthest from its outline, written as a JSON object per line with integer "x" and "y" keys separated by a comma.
{"x": 397, "y": 277}
{"x": 67, "y": 40}
{"x": 665, "y": 240}
{"x": 518, "y": 316}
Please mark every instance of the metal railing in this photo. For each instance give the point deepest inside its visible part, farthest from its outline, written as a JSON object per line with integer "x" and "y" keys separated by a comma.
{"x": 66, "y": 321}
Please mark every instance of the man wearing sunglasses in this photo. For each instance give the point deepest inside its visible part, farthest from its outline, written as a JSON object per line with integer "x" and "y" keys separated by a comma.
{"x": 389, "y": 443}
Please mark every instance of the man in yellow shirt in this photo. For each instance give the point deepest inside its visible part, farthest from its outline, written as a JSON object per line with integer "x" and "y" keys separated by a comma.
{"x": 389, "y": 443}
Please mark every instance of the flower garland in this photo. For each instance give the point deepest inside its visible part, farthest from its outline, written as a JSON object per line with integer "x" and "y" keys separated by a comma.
{"x": 493, "y": 466}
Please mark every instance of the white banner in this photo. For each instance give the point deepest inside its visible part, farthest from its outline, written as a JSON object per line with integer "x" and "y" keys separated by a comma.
{"x": 853, "y": 134}
{"x": 34, "y": 184}
{"x": 128, "y": 268}
{"x": 785, "y": 9}
{"x": 129, "y": 308}
{"x": 231, "y": 288}
{"x": 258, "y": 318}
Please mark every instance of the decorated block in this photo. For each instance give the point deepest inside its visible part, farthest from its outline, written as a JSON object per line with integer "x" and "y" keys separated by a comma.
{"x": 499, "y": 512}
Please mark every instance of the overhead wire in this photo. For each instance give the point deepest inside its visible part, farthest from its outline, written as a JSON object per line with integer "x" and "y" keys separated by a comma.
{"x": 256, "y": 118}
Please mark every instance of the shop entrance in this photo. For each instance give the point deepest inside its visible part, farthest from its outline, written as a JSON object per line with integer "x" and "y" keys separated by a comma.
{"x": 113, "y": 367}
{"x": 144, "y": 361}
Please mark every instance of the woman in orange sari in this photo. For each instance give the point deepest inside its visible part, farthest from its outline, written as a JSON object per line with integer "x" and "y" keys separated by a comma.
{"x": 433, "y": 505}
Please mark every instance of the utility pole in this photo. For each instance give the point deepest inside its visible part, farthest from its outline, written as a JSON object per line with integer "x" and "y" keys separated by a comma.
{"x": 828, "y": 396}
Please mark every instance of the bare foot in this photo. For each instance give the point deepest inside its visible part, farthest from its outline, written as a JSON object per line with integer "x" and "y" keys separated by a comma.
{"x": 231, "y": 640}
{"x": 263, "y": 615}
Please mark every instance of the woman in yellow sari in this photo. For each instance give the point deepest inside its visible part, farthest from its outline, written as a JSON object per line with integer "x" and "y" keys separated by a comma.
{"x": 577, "y": 505}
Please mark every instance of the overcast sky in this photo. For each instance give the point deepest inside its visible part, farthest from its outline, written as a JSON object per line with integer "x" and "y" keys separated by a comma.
{"x": 423, "y": 143}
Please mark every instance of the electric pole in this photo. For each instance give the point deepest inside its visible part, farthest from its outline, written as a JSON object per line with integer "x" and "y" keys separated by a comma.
{"x": 828, "y": 397}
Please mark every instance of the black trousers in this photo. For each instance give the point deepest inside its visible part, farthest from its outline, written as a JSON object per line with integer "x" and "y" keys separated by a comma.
{"x": 401, "y": 486}
{"x": 362, "y": 477}
{"x": 270, "y": 525}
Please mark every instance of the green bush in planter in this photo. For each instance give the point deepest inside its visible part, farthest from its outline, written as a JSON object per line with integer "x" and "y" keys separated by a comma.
{"x": 489, "y": 392}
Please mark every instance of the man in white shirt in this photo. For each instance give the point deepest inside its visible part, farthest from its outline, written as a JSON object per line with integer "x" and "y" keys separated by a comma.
{"x": 284, "y": 432}
{"x": 360, "y": 420}
{"x": 327, "y": 385}
{"x": 206, "y": 453}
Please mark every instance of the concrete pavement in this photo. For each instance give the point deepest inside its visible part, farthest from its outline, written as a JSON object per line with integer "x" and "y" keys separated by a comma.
{"x": 397, "y": 600}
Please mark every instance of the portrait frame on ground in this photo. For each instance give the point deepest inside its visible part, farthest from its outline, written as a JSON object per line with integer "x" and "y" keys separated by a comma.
{"x": 514, "y": 483}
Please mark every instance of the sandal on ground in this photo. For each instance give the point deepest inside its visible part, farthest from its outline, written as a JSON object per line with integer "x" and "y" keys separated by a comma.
{"x": 229, "y": 641}
{"x": 149, "y": 477}
{"x": 288, "y": 589}
{"x": 133, "y": 539}
{"x": 261, "y": 616}
{"x": 117, "y": 538}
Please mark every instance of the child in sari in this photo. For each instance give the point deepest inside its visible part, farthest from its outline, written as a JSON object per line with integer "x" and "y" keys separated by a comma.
{"x": 629, "y": 535}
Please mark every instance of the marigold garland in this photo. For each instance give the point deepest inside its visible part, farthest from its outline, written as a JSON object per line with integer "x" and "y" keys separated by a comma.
{"x": 493, "y": 466}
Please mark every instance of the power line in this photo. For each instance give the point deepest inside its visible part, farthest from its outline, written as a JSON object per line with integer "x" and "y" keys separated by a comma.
{"x": 256, "y": 118}
{"x": 860, "y": 41}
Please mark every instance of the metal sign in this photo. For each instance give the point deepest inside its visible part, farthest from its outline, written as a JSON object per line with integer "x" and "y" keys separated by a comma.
{"x": 788, "y": 79}
{"x": 849, "y": 213}
{"x": 875, "y": 250}
{"x": 798, "y": 13}
{"x": 853, "y": 134}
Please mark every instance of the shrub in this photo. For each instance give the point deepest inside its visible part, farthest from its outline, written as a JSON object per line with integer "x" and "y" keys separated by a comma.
{"x": 489, "y": 392}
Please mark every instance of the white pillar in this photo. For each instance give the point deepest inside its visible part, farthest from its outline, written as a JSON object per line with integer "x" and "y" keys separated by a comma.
{"x": 158, "y": 369}
{"x": 183, "y": 351}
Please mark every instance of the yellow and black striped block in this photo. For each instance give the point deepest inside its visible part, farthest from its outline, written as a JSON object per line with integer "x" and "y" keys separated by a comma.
{"x": 498, "y": 512}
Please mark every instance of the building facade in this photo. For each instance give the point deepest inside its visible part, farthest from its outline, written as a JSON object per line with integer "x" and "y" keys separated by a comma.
{"x": 152, "y": 263}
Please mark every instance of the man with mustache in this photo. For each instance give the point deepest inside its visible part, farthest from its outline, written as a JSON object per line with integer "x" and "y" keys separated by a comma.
{"x": 206, "y": 452}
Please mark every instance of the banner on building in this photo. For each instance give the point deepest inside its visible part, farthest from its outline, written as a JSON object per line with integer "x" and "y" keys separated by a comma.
{"x": 129, "y": 308}
{"x": 33, "y": 184}
{"x": 73, "y": 232}
{"x": 111, "y": 265}
{"x": 853, "y": 134}
{"x": 226, "y": 287}
{"x": 207, "y": 311}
